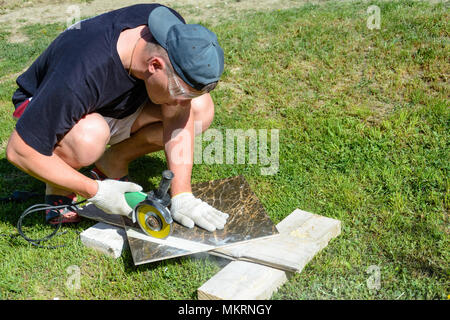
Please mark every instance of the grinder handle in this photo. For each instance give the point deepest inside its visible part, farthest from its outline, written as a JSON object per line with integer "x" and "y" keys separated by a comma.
{"x": 164, "y": 185}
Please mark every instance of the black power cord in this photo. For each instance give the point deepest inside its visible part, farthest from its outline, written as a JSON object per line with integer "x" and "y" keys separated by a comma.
{"x": 42, "y": 207}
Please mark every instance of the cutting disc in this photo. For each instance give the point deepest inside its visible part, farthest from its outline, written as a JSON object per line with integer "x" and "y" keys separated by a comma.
{"x": 152, "y": 221}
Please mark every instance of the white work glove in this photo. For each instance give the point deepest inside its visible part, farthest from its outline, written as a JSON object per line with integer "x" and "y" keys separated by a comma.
{"x": 110, "y": 196}
{"x": 189, "y": 210}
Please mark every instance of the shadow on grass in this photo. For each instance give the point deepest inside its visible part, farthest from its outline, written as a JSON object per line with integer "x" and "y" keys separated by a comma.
{"x": 12, "y": 179}
{"x": 145, "y": 168}
{"x": 164, "y": 271}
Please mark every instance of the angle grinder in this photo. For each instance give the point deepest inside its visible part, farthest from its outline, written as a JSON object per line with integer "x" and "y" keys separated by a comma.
{"x": 150, "y": 209}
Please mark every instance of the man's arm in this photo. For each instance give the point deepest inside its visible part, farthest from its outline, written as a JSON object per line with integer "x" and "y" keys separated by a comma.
{"x": 50, "y": 169}
{"x": 178, "y": 138}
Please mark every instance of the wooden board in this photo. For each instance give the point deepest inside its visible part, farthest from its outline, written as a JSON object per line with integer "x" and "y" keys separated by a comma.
{"x": 241, "y": 280}
{"x": 302, "y": 236}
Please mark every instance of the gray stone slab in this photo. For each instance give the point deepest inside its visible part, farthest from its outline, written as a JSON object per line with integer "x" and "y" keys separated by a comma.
{"x": 105, "y": 238}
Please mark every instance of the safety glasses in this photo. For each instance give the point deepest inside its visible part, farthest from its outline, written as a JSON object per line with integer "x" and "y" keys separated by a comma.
{"x": 176, "y": 89}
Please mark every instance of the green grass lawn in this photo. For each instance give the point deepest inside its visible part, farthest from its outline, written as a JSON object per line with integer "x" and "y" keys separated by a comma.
{"x": 364, "y": 138}
{"x": 6, "y": 5}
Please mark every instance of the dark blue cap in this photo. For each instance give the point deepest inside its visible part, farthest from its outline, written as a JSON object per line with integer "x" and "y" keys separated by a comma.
{"x": 193, "y": 50}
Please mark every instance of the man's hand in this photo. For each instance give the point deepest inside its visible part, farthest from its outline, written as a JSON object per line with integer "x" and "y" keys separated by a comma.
{"x": 110, "y": 196}
{"x": 189, "y": 210}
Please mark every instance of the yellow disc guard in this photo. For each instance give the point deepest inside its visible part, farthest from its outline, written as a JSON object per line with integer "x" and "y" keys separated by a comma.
{"x": 150, "y": 220}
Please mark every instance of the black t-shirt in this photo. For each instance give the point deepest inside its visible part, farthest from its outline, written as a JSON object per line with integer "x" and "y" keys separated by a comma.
{"x": 80, "y": 73}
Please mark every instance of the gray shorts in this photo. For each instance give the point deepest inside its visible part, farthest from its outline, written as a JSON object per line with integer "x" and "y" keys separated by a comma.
{"x": 120, "y": 129}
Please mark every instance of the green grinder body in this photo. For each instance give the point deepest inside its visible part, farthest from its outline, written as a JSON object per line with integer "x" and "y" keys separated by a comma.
{"x": 134, "y": 198}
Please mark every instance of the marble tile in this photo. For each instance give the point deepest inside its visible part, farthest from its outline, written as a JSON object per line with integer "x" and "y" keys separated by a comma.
{"x": 248, "y": 220}
{"x": 90, "y": 211}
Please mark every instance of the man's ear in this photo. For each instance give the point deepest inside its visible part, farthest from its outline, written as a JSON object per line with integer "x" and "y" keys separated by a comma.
{"x": 155, "y": 64}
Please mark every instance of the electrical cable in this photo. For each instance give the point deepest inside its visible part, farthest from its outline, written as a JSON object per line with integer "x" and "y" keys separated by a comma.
{"x": 41, "y": 207}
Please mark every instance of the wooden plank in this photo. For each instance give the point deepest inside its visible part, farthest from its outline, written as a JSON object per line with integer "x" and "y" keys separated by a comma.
{"x": 241, "y": 280}
{"x": 302, "y": 236}
{"x": 294, "y": 220}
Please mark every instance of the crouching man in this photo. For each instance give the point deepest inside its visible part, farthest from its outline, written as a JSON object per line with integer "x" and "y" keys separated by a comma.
{"x": 131, "y": 79}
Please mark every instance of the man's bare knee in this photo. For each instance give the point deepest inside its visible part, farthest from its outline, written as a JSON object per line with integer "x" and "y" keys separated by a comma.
{"x": 85, "y": 142}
